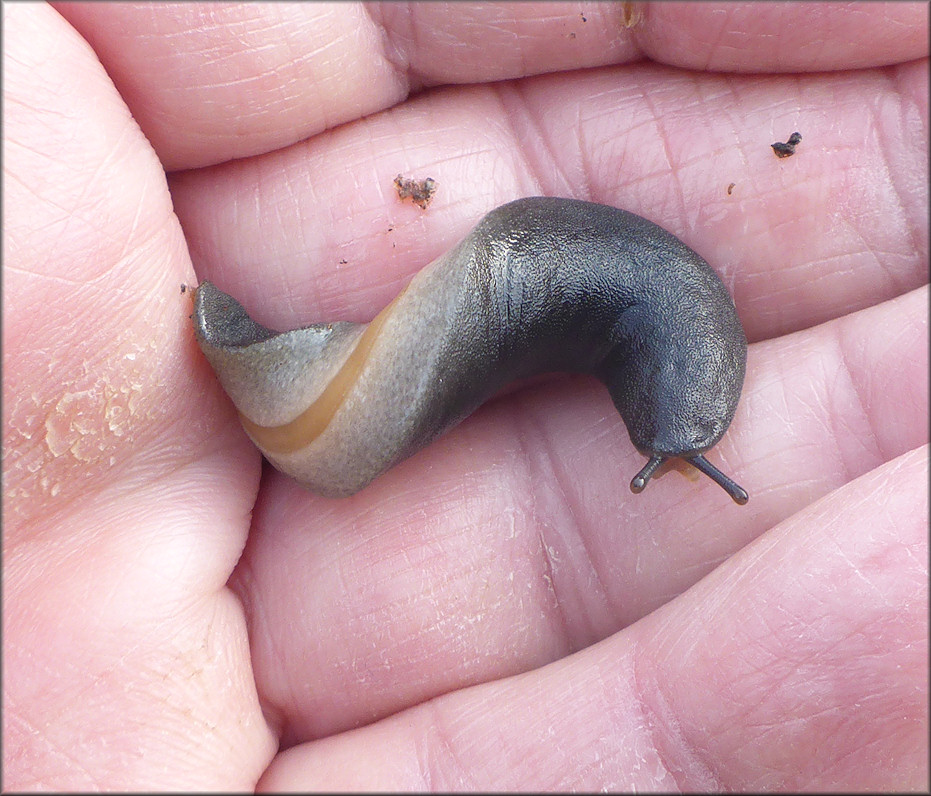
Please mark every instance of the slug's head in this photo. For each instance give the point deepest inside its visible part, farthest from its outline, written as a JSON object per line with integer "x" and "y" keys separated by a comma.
{"x": 678, "y": 393}
{"x": 682, "y": 419}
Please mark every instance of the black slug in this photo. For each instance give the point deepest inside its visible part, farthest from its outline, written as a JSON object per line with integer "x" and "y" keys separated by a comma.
{"x": 539, "y": 285}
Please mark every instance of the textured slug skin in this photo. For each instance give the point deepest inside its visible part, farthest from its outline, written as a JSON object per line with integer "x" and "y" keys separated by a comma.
{"x": 540, "y": 284}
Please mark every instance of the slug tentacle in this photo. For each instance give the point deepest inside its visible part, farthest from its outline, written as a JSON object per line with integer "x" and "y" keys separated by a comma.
{"x": 641, "y": 479}
{"x": 738, "y": 493}
{"x": 540, "y": 284}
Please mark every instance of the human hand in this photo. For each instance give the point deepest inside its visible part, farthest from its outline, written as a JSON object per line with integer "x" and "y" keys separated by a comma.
{"x": 499, "y": 610}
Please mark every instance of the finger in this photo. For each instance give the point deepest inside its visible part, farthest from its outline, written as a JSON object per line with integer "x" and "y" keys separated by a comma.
{"x": 93, "y": 327}
{"x": 512, "y": 541}
{"x": 210, "y": 82}
{"x": 801, "y": 663}
{"x": 213, "y": 82}
{"x": 838, "y": 227}
{"x": 784, "y": 37}
{"x": 118, "y": 631}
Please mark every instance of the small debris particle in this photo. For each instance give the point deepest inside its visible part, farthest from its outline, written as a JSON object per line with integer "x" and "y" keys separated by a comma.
{"x": 343, "y": 262}
{"x": 420, "y": 192}
{"x": 730, "y": 188}
{"x": 788, "y": 148}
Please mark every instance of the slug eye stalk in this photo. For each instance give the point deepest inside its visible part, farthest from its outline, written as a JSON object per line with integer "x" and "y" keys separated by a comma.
{"x": 700, "y": 463}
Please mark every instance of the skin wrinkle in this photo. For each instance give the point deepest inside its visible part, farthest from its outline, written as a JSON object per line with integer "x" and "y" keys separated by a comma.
{"x": 445, "y": 769}
{"x": 513, "y": 103}
{"x": 522, "y": 425}
{"x": 592, "y": 186}
{"x": 584, "y": 185}
{"x": 614, "y": 686}
{"x": 281, "y": 212}
{"x": 830, "y": 263}
{"x": 725, "y": 53}
{"x": 389, "y": 49}
{"x": 910, "y": 230}
{"x": 855, "y": 388}
{"x": 420, "y": 746}
{"x": 255, "y": 616}
{"x": 414, "y": 78}
{"x": 876, "y": 262}
{"x": 537, "y": 441}
{"x": 722, "y": 17}
{"x": 673, "y": 171}
{"x": 830, "y": 429}
{"x": 658, "y": 716}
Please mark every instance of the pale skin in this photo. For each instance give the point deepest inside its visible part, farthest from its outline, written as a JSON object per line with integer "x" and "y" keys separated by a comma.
{"x": 499, "y": 611}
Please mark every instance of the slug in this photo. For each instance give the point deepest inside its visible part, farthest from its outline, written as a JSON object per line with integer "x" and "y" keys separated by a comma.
{"x": 540, "y": 284}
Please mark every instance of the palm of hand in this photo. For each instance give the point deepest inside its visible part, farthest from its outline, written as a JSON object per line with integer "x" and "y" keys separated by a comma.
{"x": 170, "y": 618}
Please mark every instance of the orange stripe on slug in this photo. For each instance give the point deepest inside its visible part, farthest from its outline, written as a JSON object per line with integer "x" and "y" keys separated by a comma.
{"x": 312, "y": 422}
